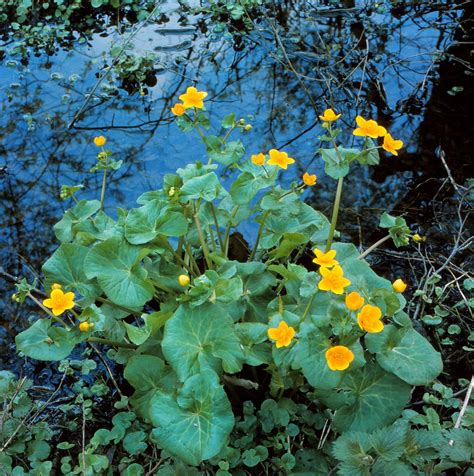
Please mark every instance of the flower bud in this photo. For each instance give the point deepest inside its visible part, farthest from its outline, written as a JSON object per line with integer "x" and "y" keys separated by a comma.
{"x": 85, "y": 326}
{"x": 248, "y": 127}
{"x": 399, "y": 285}
{"x": 184, "y": 280}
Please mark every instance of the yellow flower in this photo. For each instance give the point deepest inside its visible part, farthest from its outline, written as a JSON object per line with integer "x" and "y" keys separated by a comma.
{"x": 354, "y": 301}
{"x": 55, "y": 286}
{"x": 184, "y": 280}
{"x": 193, "y": 98}
{"x": 333, "y": 280}
{"x": 369, "y": 319}
{"x": 325, "y": 260}
{"x": 399, "y": 285}
{"x": 283, "y": 334}
{"x": 258, "y": 159}
{"x": 308, "y": 179}
{"x": 339, "y": 357}
{"x": 391, "y": 145}
{"x": 178, "y": 109}
{"x": 100, "y": 141}
{"x": 59, "y": 301}
{"x": 329, "y": 116}
{"x": 416, "y": 237}
{"x": 85, "y": 326}
{"x": 369, "y": 128}
{"x": 280, "y": 158}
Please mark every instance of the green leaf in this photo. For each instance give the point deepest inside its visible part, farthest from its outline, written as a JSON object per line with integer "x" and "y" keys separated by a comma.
{"x": 205, "y": 186}
{"x": 397, "y": 228}
{"x": 146, "y": 223}
{"x": 228, "y": 121}
{"x": 134, "y": 443}
{"x": 337, "y": 165}
{"x": 116, "y": 265}
{"x": 196, "y": 425}
{"x": 406, "y": 353}
{"x": 147, "y": 374}
{"x": 45, "y": 342}
{"x": 369, "y": 398}
{"x": 201, "y": 338}
{"x": 66, "y": 267}
{"x": 64, "y": 229}
{"x": 309, "y": 354}
{"x": 138, "y": 335}
{"x": 369, "y": 157}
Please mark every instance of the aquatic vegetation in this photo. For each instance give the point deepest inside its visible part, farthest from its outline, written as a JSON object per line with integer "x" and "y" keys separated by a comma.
{"x": 159, "y": 286}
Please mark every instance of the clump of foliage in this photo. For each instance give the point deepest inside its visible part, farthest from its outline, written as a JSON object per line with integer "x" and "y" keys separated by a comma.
{"x": 242, "y": 363}
{"x": 44, "y": 26}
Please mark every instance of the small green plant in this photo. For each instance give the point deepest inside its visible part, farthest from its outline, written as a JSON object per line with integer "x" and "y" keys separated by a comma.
{"x": 158, "y": 286}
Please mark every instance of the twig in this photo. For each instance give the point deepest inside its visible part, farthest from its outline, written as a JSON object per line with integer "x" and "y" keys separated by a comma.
{"x": 464, "y": 407}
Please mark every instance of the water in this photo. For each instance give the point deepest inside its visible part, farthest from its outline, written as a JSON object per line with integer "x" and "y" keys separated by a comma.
{"x": 362, "y": 59}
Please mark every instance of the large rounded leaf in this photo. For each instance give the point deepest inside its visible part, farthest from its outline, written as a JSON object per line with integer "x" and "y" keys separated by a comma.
{"x": 148, "y": 375}
{"x": 66, "y": 267}
{"x": 370, "y": 398}
{"x": 195, "y": 425}
{"x": 146, "y": 223}
{"x": 201, "y": 338}
{"x": 116, "y": 265}
{"x": 406, "y": 353}
{"x": 309, "y": 354}
{"x": 44, "y": 342}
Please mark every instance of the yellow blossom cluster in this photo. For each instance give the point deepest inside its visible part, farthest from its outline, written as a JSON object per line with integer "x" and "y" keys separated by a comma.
{"x": 192, "y": 98}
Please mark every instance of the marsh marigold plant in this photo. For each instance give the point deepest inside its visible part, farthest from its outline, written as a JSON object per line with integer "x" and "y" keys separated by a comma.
{"x": 203, "y": 314}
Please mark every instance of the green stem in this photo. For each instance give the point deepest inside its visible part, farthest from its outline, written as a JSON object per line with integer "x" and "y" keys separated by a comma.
{"x": 104, "y": 184}
{"x": 202, "y": 239}
{"x": 114, "y": 343}
{"x": 259, "y": 235}
{"x": 192, "y": 260}
{"x": 335, "y": 213}
{"x": 218, "y": 231}
{"x": 229, "y": 226}
{"x": 308, "y": 307}
{"x": 177, "y": 256}
{"x": 375, "y": 245}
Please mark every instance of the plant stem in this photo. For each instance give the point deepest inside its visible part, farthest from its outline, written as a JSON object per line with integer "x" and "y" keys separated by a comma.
{"x": 114, "y": 343}
{"x": 192, "y": 260}
{"x": 259, "y": 235}
{"x": 308, "y": 307}
{"x": 372, "y": 248}
{"x": 229, "y": 226}
{"x": 335, "y": 212}
{"x": 177, "y": 256}
{"x": 218, "y": 231}
{"x": 202, "y": 239}
{"x": 104, "y": 183}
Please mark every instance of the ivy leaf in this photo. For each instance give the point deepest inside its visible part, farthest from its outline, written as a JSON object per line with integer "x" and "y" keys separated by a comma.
{"x": 370, "y": 398}
{"x": 196, "y": 425}
{"x": 146, "y": 223}
{"x": 42, "y": 341}
{"x": 201, "y": 338}
{"x": 147, "y": 374}
{"x": 406, "y": 353}
{"x": 116, "y": 265}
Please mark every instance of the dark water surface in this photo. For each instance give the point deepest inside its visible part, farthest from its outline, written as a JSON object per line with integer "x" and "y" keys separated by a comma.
{"x": 406, "y": 66}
